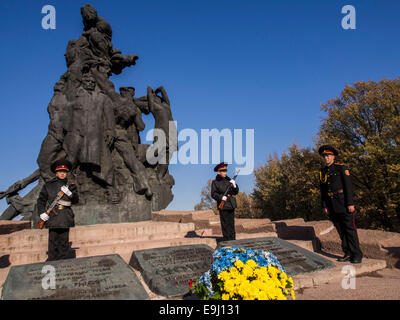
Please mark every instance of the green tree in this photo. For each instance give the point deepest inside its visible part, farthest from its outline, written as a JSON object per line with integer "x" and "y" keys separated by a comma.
{"x": 206, "y": 202}
{"x": 244, "y": 202}
{"x": 364, "y": 124}
{"x": 288, "y": 187}
{"x": 246, "y": 207}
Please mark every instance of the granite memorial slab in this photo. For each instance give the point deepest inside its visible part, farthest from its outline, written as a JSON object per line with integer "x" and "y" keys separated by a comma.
{"x": 93, "y": 278}
{"x": 167, "y": 271}
{"x": 296, "y": 260}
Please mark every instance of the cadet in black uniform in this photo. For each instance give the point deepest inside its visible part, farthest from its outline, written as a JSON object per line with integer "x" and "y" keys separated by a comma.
{"x": 337, "y": 201}
{"x": 218, "y": 187}
{"x": 62, "y": 217}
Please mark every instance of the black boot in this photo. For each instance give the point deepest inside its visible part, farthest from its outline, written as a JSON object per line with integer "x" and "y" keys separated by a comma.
{"x": 356, "y": 260}
{"x": 345, "y": 258}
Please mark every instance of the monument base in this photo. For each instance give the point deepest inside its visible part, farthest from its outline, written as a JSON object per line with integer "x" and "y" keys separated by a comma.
{"x": 96, "y": 206}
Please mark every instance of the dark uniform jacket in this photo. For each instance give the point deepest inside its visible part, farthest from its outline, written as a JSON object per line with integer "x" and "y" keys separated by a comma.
{"x": 218, "y": 188}
{"x": 336, "y": 188}
{"x": 65, "y": 216}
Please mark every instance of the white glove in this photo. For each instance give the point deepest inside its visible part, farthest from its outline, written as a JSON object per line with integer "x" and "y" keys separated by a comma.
{"x": 44, "y": 216}
{"x": 66, "y": 191}
{"x": 233, "y": 182}
{"x": 224, "y": 198}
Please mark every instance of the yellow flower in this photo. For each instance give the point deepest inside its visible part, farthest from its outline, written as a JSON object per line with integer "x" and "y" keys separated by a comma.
{"x": 225, "y": 296}
{"x": 281, "y": 297}
{"x": 247, "y": 271}
{"x": 262, "y": 296}
{"x": 292, "y": 294}
{"x": 251, "y": 263}
{"x": 234, "y": 272}
{"x": 239, "y": 264}
{"x": 229, "y": 286}
{"x": 266, "y": 282}
{"x": 253, "y": 291}
{"x": 224, "y": 275}
{"x": 243, "y": 292}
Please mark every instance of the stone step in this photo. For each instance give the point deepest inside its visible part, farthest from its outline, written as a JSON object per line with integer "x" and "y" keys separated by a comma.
{"x": 290, "y": 222}
{"x": 374, "y": 244}
{"x": 203, "y": 214}
{"x": 7, "y": 227}
{"x": 207, "y": 223}
{"x": 302, "y": 230}
{"x": 205, "y": 219}
{"x": 243, "y": 227}
{"x": 43, "y": 244}
{"x": 335, "y": 274}
{"x": 240, "y": 236}
{"x": 87, "y": 233}
{"x": 123, "y": 249}
{"x": 182, "y": 216}
{"x": 310, "y": 245}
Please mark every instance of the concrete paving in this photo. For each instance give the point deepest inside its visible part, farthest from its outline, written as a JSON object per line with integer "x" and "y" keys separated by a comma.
{"x": 379, "y": 285}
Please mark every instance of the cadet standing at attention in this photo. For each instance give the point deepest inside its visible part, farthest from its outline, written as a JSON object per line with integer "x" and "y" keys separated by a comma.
{"x": 337, "y": 202}
{"x": 61, "y": 218}
{"x": 218, "y": 188}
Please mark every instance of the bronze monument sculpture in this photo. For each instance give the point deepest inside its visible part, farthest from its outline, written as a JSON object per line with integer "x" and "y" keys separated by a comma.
{"x": 97, "y": 130}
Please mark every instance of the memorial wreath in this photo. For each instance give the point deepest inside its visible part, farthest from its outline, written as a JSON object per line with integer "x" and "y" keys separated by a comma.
{"x": 244, "y": 274}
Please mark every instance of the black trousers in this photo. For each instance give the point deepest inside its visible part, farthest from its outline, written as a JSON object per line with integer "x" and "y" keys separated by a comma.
{"x": 227, "y": 218}
{"x": 58, "y": 244}
{"x": 345, "y": 225}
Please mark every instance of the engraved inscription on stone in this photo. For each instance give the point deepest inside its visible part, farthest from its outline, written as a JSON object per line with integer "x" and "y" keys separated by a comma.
{"x": 295, "y": 259}
{"x": 93, "y": 278}
{"x": 167, "y": 271}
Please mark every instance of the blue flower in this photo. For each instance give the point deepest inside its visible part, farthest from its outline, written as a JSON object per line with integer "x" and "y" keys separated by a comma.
{"x": 224, "y": 259}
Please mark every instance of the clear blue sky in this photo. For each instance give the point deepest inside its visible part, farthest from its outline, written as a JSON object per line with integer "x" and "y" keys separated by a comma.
{"x": 262, "y": 65}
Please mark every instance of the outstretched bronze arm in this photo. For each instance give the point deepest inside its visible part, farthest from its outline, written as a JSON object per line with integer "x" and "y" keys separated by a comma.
{"x": 163, "y": 94}
{"x": 150, "y": 97}
{"x": 20, "y": 184}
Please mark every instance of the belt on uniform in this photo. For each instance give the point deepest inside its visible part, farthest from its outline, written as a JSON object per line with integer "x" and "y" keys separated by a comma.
{"x": 334, "y": 193}
{"x": 63, "y": 203}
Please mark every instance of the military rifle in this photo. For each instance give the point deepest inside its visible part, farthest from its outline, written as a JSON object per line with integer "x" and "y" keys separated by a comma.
{"x": 60, "y": 194}
{"x": 221, "y": 205}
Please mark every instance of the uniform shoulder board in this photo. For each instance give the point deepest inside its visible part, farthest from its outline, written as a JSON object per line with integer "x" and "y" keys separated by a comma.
{"x": 339, "y": 164}
{"x": 346, "y": 171}
{"x": 344, "y": 168}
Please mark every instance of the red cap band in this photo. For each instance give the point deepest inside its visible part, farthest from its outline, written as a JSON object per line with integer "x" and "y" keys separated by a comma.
{"x": 62, "y": 167}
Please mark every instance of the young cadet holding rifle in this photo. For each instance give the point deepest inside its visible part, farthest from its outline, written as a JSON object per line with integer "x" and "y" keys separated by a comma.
{"x": 223, "y": 190}
{"x": 58, "y": 217}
